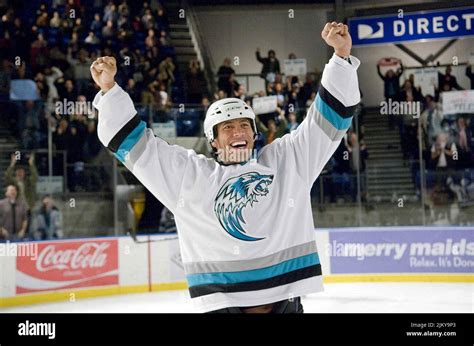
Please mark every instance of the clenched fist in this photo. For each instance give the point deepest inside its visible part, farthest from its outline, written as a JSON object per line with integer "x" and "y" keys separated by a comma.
{"x": 337, "y": 36}
{"x": 103, "y": 71}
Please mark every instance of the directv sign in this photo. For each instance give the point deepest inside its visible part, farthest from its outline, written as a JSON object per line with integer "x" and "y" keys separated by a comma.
{"x": 426, "y": 25}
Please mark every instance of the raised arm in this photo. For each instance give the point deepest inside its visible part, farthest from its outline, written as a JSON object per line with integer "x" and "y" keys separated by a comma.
{"x": 159, "y": 166}
{"x": 313, "y": 143}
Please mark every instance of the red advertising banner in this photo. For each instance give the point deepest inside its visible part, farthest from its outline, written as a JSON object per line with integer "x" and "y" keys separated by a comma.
{"x": 68, "y": 264}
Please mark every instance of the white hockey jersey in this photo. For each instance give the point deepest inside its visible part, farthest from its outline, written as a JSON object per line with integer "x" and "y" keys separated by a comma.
{"x": 246, "y": 231}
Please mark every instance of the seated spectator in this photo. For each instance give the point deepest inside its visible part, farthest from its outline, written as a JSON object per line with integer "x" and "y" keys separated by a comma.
{"x": 292, "y": 123}
{"x": 108, "y": 31}
{"x": 55, "y": 21}
{"x": 47, "y": 221}
{"x": 96, "y": 24}
{"x": 92, "y": 145}
{"x": 13, "y": 215}
{"x": 165, "y": 40}
{"x": 150, "y": 40}
{"x": 272, "y": 131}
{"x": 92, "y": 39}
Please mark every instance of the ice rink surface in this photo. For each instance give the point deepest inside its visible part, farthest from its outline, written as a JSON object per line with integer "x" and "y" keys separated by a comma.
{"x": 337, "y": 298}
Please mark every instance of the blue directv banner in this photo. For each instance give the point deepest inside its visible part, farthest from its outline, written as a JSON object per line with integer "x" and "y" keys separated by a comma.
{"x": 415, "y": 26}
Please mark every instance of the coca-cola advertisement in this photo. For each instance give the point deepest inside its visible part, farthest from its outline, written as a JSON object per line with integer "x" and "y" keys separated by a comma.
{"x": 71, "y": 264}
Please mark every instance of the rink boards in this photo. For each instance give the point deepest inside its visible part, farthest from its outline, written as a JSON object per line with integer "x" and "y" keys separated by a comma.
{"x": 72, "y": 269}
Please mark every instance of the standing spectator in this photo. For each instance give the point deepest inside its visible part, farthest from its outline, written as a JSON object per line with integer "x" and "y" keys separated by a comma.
{"x": 13, "y": 215}
{"x": 442, "y": 153}
{"x": 81, "y": 68}
{"x": 224, "y": 72}
{"x": 470, "y": 75}
{"x": 463, "y": 140}
{"x": 195, "y": 83}
{"x": 5, "y": 79}
{"x": 92, "y": 145}
{"x": 358, "y": 156}
{"x": 166, "y": 74}
{"x": 270, "y": 66}
{"x": 26, "y": 185}
{"x": 391, "y": 81}
{"x": 162, "y": 20}
{"x": 448, "y": 82}
{"x": 47, "y": 221}
{"x": 431, "y": 120}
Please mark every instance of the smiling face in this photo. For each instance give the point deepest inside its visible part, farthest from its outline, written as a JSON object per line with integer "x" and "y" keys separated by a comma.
{"x": 234, "y": 141}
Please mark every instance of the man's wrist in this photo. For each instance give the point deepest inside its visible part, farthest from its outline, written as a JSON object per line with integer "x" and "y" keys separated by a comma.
{"x": 342, "y": 53}
{"x": 106, "y": 87}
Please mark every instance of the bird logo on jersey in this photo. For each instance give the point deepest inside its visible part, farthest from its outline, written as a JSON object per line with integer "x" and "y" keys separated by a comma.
{"x": 234, "y": 196}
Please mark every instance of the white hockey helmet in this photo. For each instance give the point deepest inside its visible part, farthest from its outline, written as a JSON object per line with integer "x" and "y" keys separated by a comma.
{"x": 227, "y": 109}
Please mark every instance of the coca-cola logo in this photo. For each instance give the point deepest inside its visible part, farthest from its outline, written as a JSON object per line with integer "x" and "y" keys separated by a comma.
{"x": 88, "y": 255}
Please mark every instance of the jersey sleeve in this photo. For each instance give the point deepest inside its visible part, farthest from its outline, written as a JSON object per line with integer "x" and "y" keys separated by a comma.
{"x": 313, "y": 143}
{"x": 156, "y": 164}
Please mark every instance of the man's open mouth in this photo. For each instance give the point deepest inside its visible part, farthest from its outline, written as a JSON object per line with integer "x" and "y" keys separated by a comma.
{"x": 239, "y": 144}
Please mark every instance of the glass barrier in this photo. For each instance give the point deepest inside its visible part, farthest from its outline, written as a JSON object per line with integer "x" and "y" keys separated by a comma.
{"x": 374, "y": 178}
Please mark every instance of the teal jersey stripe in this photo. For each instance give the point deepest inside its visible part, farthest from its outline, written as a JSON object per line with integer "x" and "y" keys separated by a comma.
{"x": 253, "y": 275}
{"x": 129, "y": 142}
{"x": 330, "y": 115}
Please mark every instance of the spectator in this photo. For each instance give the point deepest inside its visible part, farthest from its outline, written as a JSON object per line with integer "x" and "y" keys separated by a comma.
{"x": 131, "y": 89}
{"x": 92, "y": 39}
{"x": 270, "y": 66}
{"x": 55, "y": 21}
{"x": 463, "y": 140}
{"x": 150, "y": 40}
{"x": 448, "y": 82}
{"x": 441, "y": 154}
{"x": 166, "y": 74}
{"x": 165, "y": 40}
{"x": 358, "y": 156}
{"x": 92, "y": 145}
{"x": 272, "y": 131}
{"x": 224, "y": 72}
{"x": 162, "y": 20}
{"x": 67, "y": 91}
{"x": 26, "y": 185}
{"x": 470, "y": 75}
{"x": 5, "y": 79}
{"x": 81, "y": 69}
{"x": 431, "y": 119}
{"x": 391, "y": 81}
{"x": 13, "y": 215}
{"x": 108, "y": 31}
{"x": 195, "y": 82}
{"x": 96, "y": 24}
{"x": 292, "y": 123}
{"x": 47, "y": 221}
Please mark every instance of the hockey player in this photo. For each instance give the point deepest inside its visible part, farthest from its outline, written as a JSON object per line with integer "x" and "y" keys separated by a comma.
{"x": 245, "y": 222}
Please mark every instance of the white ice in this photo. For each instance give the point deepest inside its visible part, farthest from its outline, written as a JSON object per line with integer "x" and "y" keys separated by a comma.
{"x": 353, "y": 297}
